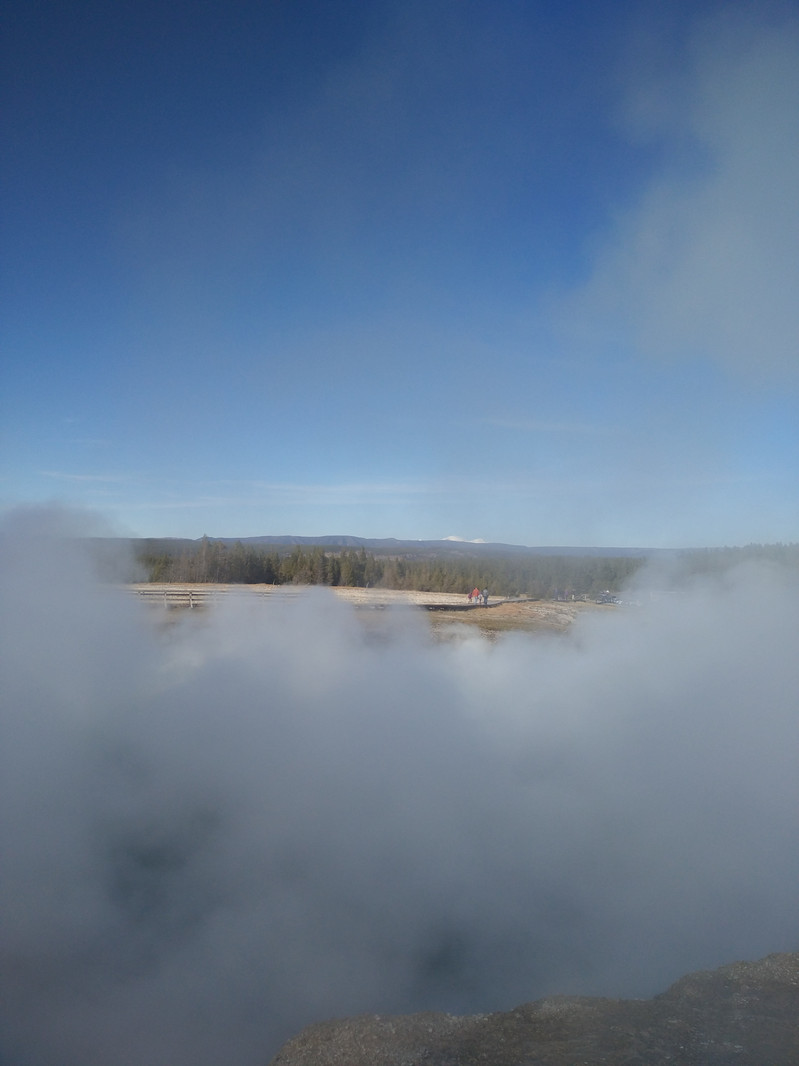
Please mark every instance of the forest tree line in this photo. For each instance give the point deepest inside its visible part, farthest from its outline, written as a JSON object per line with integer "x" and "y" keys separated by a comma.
{"x": 541, "y": 576}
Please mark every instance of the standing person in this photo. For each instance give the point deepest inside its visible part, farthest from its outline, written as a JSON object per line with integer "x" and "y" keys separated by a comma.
{"x": 476, "y": 595}
{"x": 485, "y": 597}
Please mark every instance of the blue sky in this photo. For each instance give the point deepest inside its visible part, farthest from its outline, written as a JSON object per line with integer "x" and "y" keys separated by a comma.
{"x": 524, "y": 272}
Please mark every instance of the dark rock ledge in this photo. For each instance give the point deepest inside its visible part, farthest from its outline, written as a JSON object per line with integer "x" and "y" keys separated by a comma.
{"x": 745, "y": 1014}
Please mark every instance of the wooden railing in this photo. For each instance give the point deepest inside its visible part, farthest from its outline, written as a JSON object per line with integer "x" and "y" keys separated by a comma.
{"x": 179, "y": 595}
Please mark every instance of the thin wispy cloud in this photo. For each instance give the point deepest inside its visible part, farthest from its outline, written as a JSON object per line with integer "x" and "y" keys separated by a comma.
{"x": 259, "y": 493}
{"x": 61, "y": 475}
{"x": 565, "y": 428}
{"x": 346, "y": 490}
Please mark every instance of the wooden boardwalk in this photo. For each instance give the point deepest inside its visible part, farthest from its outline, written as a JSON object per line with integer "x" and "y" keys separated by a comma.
{"x": 203, "y": 595}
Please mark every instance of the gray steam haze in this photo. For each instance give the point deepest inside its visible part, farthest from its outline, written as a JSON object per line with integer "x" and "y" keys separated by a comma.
{"x": 218, "y": 831}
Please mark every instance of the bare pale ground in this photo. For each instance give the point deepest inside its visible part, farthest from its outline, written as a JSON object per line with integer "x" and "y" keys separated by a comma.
{"x": 459, "y": 620}
{"x": 500, "y": 615}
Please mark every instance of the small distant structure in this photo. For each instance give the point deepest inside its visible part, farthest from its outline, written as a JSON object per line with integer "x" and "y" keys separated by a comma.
{"x": 607, "y": 597}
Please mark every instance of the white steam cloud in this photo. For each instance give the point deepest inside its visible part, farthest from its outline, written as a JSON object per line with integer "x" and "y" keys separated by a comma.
{"x": 217, "y": 831}
{"x": 704, "y": 264}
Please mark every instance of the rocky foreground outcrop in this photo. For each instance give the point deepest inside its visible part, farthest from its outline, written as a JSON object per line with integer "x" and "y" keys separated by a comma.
{"x": 745, "y": 1014}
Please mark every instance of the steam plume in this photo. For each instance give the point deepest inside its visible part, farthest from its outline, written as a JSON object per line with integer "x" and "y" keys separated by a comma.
{"x": 217, "y": 831}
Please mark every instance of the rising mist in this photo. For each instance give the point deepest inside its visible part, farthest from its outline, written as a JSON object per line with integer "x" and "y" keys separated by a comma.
{"x": 219, "y": 830}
